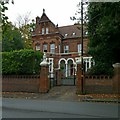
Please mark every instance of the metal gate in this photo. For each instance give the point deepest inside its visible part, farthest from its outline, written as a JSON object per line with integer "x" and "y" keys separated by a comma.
{"x": 52, "y": 80}
{"x": 71, "y": 80}
{"x": 68, "y": 77}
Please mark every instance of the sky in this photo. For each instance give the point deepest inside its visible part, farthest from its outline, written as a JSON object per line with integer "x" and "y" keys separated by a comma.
{"x": 58, "y": 11}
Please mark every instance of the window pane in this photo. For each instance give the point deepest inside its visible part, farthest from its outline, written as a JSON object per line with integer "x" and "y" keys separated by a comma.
{"x": 66, "y": 49}
{"x": 37, "y": 47}
{"x": 42, "y": 30}
{"x": 59, "y": 48}
{"x": 44, "y": 47}
{"x": 79, "y": 47}
{"x": 46, "y": 30}
{"x": 52, "y": 48}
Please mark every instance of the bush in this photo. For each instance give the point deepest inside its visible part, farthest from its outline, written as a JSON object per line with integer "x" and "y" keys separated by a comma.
{"x": 21, "y": 62}
{"x": 101, "y": 69}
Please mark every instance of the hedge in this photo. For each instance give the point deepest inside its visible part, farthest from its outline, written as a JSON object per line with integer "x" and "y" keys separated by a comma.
{"x": 22, "y": 62}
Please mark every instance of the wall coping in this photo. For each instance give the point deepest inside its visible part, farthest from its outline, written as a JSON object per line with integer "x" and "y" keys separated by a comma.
{"x": 44, "y": 62}
{"x": 116, "y": 65}
{"x": 97, "y": 77}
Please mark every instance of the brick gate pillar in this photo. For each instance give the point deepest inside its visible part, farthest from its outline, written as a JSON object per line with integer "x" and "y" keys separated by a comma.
{"x": 116, "y": 78}
{"x": 44, "y": 80}
{"x": 79, "y": 79}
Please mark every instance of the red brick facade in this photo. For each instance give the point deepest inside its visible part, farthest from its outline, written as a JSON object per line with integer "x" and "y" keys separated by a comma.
{"x": 60, "y": 43}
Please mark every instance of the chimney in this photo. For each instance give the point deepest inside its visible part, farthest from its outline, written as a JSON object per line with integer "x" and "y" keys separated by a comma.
{"x": 37, "y": 20}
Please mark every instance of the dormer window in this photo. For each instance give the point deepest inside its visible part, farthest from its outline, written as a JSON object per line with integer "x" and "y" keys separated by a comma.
{"x": 73, "y": 33}
{"x": 43, "y": 30}
{"x": 66, "y": 35}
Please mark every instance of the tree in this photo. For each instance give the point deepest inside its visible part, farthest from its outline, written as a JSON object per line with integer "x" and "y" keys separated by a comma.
{"x": 11, "y": 38}
{"x": 77, "y": 16}
{"x": 25, "y": 26}
{"x": 3, "y": 18}
{"x": 3, "y": 8}
{"x": 104, "y": 31}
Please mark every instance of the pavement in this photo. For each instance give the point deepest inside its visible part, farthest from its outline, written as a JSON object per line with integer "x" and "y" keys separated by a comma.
{"x": 64, "y": 100}
{"x": 64, "y": 93}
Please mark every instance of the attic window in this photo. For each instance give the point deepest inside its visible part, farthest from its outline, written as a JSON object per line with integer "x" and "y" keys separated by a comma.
{"x": 73, "y": 33}
{"x": 66, "y": 35}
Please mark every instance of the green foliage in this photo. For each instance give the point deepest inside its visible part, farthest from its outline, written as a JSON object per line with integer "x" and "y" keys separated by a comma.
{"x": 101, "y": 69}
{"x": 26, "y": 35}
{"x": 3, "y": 8}
{"x": 11, "y": 38}
{"x": 104, "y": 31}
{"x": 21, "y": 62}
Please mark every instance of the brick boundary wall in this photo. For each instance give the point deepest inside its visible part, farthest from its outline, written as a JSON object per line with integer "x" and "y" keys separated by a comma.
{"x": 35, "y": 83}
{"x": 98, "y": 84}
{"x": 20, "y": 83}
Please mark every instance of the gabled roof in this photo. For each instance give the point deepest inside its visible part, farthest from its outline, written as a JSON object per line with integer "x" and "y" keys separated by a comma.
{"x": 71, "y": 31}
{"x": 44, "y": 17}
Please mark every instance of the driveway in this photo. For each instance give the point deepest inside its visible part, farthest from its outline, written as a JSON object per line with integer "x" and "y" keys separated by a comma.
{"x": 66, "y": 93}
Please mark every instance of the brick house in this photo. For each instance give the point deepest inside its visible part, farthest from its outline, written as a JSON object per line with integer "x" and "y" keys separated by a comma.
{"x": 62, "y": 45}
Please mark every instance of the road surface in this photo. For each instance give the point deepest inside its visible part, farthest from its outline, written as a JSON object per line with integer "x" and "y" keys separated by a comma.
{"x": 27, "y": 108}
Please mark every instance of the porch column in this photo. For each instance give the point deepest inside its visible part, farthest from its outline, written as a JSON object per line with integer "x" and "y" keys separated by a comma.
{"x": 66, "y": 70}
{"x": 89, "y": 62}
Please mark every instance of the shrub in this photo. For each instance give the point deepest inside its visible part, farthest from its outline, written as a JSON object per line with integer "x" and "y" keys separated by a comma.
{"x": 21, "y": 62}
{"x": 101, "y": 69}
